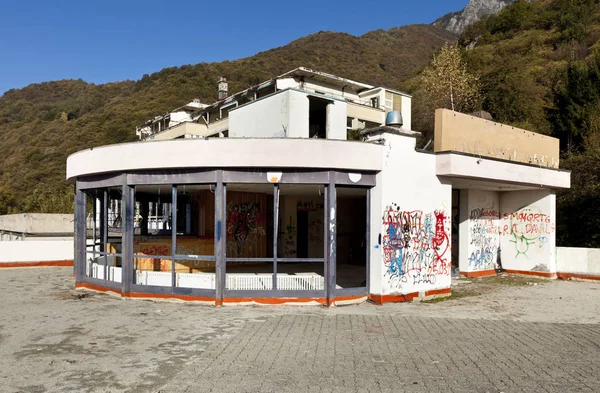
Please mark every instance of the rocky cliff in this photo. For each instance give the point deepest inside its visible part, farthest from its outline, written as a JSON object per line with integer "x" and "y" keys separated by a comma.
{"x": 456, "y": 22}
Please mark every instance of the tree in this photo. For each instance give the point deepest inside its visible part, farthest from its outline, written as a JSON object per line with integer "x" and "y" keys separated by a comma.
{"x": 445, "y": 83}
{"x": 448, "y": 84}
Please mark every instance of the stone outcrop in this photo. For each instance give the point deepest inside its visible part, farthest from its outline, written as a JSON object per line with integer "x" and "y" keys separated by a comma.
{"x": 456, "y": 22}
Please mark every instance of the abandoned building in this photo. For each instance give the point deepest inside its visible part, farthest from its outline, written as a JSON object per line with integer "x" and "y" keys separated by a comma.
{"x": 260, "y": 198}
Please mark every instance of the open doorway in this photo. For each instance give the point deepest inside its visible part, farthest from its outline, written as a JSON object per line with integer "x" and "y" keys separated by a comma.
{"x": 317, "y": 117}
{"x": 351, "y": 262}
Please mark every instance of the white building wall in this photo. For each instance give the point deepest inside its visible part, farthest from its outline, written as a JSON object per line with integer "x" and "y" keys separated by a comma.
{"x": 413, "y": 228}
{"x": 407, "y": 112}
{"x": 336, "y": 126}
{"x": 298, "y": 109}
{"x": 479, "y": 230}
{"x": 528, "y": 225}
{"x": 264, "y": 118}
{"x": 578, "y": 262}
{"x": 36, "y": 251}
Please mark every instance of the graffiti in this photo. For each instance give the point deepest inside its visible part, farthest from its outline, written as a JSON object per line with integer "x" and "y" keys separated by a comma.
{"x": 315, "y": 230}
{"x": 529, "y": 228}
{"x": 289, "y": 240}
{"x": 242, "y": 223}
{"x": 484, "y": 234}
{"x": 415, "y": 246}
{"x": 309, "y": 205}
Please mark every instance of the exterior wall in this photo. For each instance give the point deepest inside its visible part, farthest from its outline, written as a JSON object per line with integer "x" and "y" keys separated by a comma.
{"x": 479, "y": 232}
{"x": 19, "y": 252}
{"x": 476, "y": 167}
{"x": 412, "y": 254}
{"x": 406, "y": 110}
{"x": 298, "y": 108}
{"x": 363, "y": 113}
{"x": 226, "y": 153}
{"x": 528, "y": 242}
{"x": 183, "y": 129}
{"x": 336, "y": 120}
{"x": 459, "y": 132}
{"x": 578, "y": 262}
{"x": 37, "y": 223}
{"x": 264, "y": 118}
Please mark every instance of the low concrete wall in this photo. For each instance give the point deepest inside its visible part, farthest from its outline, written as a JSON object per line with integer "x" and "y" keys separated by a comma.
{"x": 37, "y": 223}
{"x": 578, "y": 262}
{"x": 36, "y": 253}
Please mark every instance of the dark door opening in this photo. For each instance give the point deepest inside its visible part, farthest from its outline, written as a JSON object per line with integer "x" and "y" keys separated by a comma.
{"x": 317, "y": 117}
{"x": 302, "y": 235}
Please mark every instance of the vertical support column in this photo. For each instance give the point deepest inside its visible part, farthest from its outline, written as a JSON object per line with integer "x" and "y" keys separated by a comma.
{"x": 368, "y": 241}
{"x": 127, "y": 212}
{"x": 145, "y": 213}
{"x": 173, "y": 233}
{"x": 331, "y": 241}
{"x": 220, "y": 235}
{"x": 103, "y": 220}
{"x": 275, "y": 230}
{"x": 80, "y": 233}
{"x": 103, "y": 230}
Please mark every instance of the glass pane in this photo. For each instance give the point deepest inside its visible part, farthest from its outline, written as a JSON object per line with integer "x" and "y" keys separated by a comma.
{"x": 351, "y": 262}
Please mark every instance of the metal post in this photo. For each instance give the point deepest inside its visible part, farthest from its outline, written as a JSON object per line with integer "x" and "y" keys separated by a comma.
{"x": 173, "y": 233}
{"x": 80, "y": 233}
{"x": 127, "y": 211}
{"x": 331, "y": 241}
{"x": 368, "y": 241}
{"x": 220, "y": 233}
{"x": 103, "y": 229}
{"x": 275, "y": 222}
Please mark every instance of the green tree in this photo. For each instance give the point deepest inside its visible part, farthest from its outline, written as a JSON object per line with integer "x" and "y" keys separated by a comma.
{"x": 448, "y": 84}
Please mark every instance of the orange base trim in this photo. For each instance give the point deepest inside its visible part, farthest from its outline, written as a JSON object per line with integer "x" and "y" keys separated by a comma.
{"x": 481, "y": 273}
{"x": 444, "y": 291}
{"x": 37, "y": 264}
{"x": 274, "y": 301}
{"x": 566, "y": 276}
{"x": 531, "y": 273}
{"x": 168, "y": 296}
{"x": 380, "y": 299}
{"x": 96, "y": 288}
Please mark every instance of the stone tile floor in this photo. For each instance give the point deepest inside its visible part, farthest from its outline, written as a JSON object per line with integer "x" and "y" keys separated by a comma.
{"x": 542, "y": 338}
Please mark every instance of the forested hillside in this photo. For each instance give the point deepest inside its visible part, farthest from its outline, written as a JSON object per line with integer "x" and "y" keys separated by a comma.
{"x": 539, "y": 69}
{"x": 41, "y": 124}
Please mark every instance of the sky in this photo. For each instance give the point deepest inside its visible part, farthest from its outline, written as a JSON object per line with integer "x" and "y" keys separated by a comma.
{"x": 107, "y": 40}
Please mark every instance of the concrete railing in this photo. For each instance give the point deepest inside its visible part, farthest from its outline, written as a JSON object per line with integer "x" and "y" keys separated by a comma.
{"x": 581, "y": 263}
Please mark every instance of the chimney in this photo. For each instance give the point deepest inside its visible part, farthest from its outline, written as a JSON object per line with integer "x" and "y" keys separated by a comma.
{"x": 223, "y": 89}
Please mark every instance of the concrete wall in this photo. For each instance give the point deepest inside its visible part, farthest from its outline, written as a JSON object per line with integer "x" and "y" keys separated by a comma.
{"x": 226, "y": 153}
{"x": 479, "y": 231}
{"x": 528, "y": 226}
{"x": 37, "y": 223}
{"x": 298, "y": 108}
{"x": 459, "y": 132}
{"x": 264, "y": 118}
{"x": 411, "y": 250}
{"x": 337, "y": 113}
{"x": 35, "y": 251}
{"x": 578, "y": 262}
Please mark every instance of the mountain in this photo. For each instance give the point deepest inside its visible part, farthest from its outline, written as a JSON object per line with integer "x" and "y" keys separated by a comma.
{"x": 41, "y": 124}
{"x": 457, "y": 22}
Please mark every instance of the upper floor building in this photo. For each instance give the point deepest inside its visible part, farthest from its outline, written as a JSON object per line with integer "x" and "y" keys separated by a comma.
{"x": 301, "y": 103}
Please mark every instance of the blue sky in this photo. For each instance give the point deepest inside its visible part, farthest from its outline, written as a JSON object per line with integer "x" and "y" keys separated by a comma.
{"x": 108, "y": 40}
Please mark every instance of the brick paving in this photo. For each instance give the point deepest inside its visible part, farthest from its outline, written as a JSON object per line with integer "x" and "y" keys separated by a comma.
{"x": 362, "y": 353}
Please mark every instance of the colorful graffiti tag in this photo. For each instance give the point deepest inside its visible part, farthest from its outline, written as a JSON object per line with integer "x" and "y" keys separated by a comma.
{"x": 244, "y": 224}
{"x": 529, "y": 227}
{"x": 415, "y": 247}
{"x": 484, "y": 236}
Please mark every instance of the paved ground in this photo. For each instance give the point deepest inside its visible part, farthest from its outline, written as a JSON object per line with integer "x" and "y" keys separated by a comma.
{"x": 507, "y": 338}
